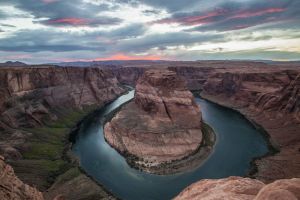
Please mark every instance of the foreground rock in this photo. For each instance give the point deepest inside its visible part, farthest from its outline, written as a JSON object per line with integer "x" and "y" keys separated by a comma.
{"x": 11, "y": 187}
{"x": 238, "y": 188}
{"x": 161, "y": 125}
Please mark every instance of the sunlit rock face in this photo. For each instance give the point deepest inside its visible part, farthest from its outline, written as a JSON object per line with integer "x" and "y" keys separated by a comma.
{"x": 238, "y": 188}
{"x": 161, "y": 124}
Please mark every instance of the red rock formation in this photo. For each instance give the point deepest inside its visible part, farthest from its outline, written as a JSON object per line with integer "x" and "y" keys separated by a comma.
{"x": 13, "y": 188}
{"x": 238, "y": 188}
{"x": 162, "y": 124}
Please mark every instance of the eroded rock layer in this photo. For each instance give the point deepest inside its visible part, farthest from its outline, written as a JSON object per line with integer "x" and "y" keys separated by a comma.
{"x": 162, "y": 124}
{"x": 238, "y": 188}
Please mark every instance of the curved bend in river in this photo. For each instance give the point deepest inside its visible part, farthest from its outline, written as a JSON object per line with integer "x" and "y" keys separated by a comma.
{"x": 161, "y": 130}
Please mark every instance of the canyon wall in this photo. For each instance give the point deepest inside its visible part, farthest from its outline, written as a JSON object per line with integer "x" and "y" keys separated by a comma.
{"x": 32, "y": 97}
{"x": 38, "y": 108}
{"x": 272, "y": 100}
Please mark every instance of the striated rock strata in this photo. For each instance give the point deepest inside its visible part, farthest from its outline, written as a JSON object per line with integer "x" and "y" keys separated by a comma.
{"x": 161, "y": 125}
{"x": 13, "y": 188}
{"x": 238, "y": 188}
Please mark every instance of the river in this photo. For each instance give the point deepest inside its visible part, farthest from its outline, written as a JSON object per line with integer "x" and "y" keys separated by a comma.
{"x": 238, "y": 142}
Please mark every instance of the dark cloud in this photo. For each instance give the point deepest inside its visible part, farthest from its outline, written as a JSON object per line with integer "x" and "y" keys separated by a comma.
{"x": 7, "y": 25}
{"x": 174, "y": 5}
{"x": 49, "y": 40}
{"x": 66, "y": 12}
{"x": 74, "y": 21}
{"x": 52, "y": 40}
{"x": 166, "y": 39}
{"x": 233, "y": 15}
{"x": 132, "y": 30}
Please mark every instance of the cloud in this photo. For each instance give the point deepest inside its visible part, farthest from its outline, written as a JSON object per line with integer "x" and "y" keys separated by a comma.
{"x": 66, "y": 12}
{"x": 73, "y": 21}
{"x": 233, "y": 15}
{"x": 174, "y": 5}
{"x": 48, "y": 40}
{"x": 161, "y": 41}
{"x": 54, "y": 30}
{"x": 7, "y": 25}
{"x": 56, "y": 41}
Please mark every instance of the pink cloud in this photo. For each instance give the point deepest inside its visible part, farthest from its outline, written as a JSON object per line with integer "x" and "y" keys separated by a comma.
{"x": 49, "y": 1}
{"x": 70, "y": 21}
{"x": 219, "y": 15}
{"x": 249, "y": 13}
{"x": 194, "y": 20}
{"x": 118, "y": 56}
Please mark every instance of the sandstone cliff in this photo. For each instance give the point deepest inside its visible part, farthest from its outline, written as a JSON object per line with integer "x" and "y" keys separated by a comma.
{"x": 13, "y": 188}
{"x": 271, "y": 99}
{"x": 162, "y": 124}
{"x": 238, "y": 188}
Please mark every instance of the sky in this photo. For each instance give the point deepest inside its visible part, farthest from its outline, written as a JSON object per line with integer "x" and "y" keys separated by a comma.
{"x": 50, "y": 31}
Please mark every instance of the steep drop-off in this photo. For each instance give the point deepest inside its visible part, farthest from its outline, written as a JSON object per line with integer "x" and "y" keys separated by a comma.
{"x": 161, "y": 125}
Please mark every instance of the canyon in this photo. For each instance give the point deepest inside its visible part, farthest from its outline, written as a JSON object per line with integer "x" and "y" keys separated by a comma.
{"x": 160, "y": 126}
{"x": 39, "y": 106}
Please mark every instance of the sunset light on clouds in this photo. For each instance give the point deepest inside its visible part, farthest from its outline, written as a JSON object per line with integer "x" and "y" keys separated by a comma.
{"x": 86, "y": 30}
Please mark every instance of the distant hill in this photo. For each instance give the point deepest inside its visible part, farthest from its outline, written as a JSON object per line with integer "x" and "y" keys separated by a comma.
{"x": 13, "y": 64}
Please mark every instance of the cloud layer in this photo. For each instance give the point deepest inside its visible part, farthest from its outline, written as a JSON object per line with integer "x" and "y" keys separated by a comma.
{"x": 39, "y": 31}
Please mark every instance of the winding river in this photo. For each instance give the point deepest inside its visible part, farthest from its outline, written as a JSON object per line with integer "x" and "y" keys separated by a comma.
{"x": 238, "y": 142}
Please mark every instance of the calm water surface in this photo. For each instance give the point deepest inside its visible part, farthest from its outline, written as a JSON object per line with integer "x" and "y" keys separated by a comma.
{"x": 237, "y": 143}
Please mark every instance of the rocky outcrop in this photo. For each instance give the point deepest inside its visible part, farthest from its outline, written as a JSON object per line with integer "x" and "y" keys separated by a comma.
{"x": 161, "y": 125}
{"x": 238, "y": 188}
{"x": 13, "y": 188}
{"x": 272, "y": 100}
